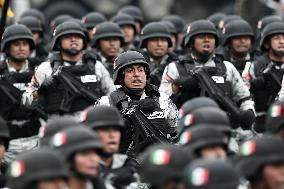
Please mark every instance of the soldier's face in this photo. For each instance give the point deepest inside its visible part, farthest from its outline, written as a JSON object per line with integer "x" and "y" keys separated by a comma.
{"x": 19, "y": 50}
{"x": 128, "y": 33}
{"x": 213, "y": 152}
{"x": 2, "y": 150}
{"x": 57, "y": 183}
{"x": 277, "y": 44}
{"x": 87, "y": 162}
{"x": 204, "y": 44}
{"x": 273, "y": 176}
{"x": 110, "y": 138}
{"x": 241, "y": 44}
{"x": 109, "y": 47}
{"x": 157, "y": 47}
{"x": 73, "y": 43}
{"x": 135, "y": 77}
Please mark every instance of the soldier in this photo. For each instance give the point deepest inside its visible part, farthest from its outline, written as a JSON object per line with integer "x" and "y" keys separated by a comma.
{"x": 80, "y": 147}
{"x": 38, "y": 169}
{"x": 211, "y": 174}
{"x": 128, "y": 28}
{"x": 274, "y": 119}
{"x": 264, "y": 21}
{"x": 179, "y": 24}
{"x": 266, "y": 72}
{"x": 118, "y": 170}
{"x": 4, "y": 145}
{"x": 156, "y": 41}
{"x": 179, "y": 79}
{"x": 162, "y": 166}
{"x": 137, "y": 14}
{"x": 174, "y": 36}
{"x": 90, "y": 21}
{"x": 262, "y": 162}
{"x": 107, "y": 41}
{"x": 238, "y": 39}
{"x": 131, "y": 71}
{"x": 51, "y": 84}
{"x": 204, "y": 141}
{"x": 16, "y": 72}
{"x": 41, "y": 50}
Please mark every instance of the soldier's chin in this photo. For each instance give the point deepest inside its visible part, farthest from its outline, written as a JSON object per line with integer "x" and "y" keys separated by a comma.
{"x": 19, "y": 59}
{"x": 72, "y": 52}
{"x": 278, "y": 53}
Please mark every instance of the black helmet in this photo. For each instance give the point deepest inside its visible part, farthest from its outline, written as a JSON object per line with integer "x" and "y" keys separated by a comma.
{"x": 4, "y": 133}
{"x": 35, "y": 165}
{"x": 170, "y": 26}
{"x": 14, "y": 32}
{"x": 106, "y": 30}
{"x": 227, "y": 19}
{"x": 215, "y": 18}
{"x": 102, "y": 116}
{"x": 59, "y": 20}
{"x": 134, "y": 12}
{"x": 35, "y": 13}
{"x": 176, "y": 20}
{"x": 68, "y": 27}
{"x": 32, "y": 23}
{"x": 201, "y": 136}
{"x": 195, "y": 103}
{"x": 75, "y": 139}
{"x": 200, "y": 27}
{"x": 92, "y": 19}
{"x": 256, "y": 153}
{"x": 210, "y": 116}
{"x": 53, "y": 126}
{"x": 125, "y": 59}
{"x": 268, "y": 20}
{"x": 153, "y": 30}
{"x": 237, "y": 28}
{"x": 124, "y": 19}
{"x": 167, "y": 161}
{"x": 270, "y": 29}
{"x": 275, "y": 117}
{"x": 211, "y": 174}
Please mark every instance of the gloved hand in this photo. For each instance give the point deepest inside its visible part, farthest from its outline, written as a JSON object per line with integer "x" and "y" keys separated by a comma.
{"x": 187, "y": 82}
{"x": 147, "y": 104}
{"x": 247, "y": 118}
{"x": 258, "y": 82}
{"x": 46, "y": 84}
{"x": 123, "y": 177}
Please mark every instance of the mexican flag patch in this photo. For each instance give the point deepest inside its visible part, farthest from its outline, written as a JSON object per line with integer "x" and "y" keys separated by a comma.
{"x": 160, "y": 157}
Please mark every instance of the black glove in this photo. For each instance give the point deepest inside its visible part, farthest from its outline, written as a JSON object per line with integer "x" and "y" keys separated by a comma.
{"x": 46, "y": 84}
{"x": 123, "y": 177}
{"x": 247, "y": 118}
{"x": 258, "y": 82}
{"x": 147, "y": 104}
{"x": 187, "y": 82}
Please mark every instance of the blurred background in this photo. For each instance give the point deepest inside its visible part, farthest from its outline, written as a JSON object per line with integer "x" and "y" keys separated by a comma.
{"x": 250, "y": 10}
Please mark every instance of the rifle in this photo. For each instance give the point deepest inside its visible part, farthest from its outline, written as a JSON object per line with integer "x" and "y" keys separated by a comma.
{"x": 209, "y": 88}
{"x": 73, "y": 90}
{"x": 13, "y": 96}
{"x": 144, "y": 132}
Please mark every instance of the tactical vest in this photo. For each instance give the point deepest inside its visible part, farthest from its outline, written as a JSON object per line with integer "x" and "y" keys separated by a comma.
{"x": 56, "y": 94}
{"x": 187, "y": 66}
{"x": 263, "y": 97}
{"x": 108, "y": 65}
{"x": 152, "y": 111}
{"x": 22, "y": 121}
{"x": 157, "y": 69}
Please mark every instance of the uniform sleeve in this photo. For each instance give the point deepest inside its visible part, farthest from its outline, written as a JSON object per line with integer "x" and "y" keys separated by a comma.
{"x": 240, "y": 90}
{"x": 106, "y": 81}
{"x": 41, "y": 73}
{"x": 104, "y": 100}
{"x": 281, "y": 92}
{"x": 170, "y": 110}
{"x": 170, "y": 74}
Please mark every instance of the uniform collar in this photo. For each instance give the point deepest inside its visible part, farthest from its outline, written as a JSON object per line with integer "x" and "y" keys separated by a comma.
{"x": 24, "y": 68}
